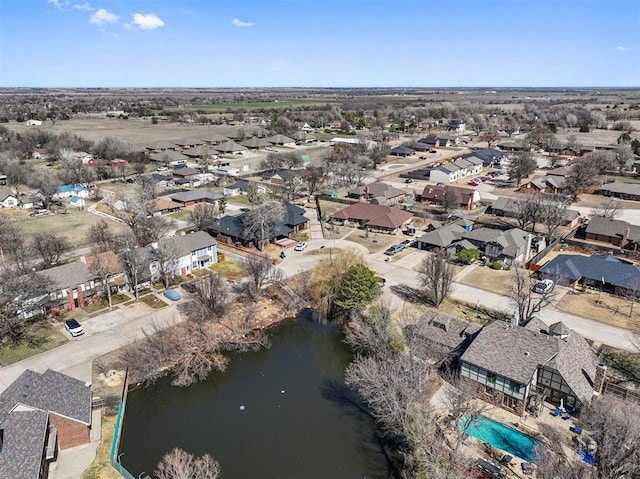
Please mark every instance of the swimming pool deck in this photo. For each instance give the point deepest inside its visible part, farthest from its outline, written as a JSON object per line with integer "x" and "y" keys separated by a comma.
{"x": 528, "y": 424}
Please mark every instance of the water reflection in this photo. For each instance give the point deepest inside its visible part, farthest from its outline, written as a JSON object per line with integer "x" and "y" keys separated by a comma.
{"x": 299, "y": 419}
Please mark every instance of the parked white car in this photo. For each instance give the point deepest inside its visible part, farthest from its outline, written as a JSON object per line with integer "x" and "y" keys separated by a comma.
{"x": 300, "y": 247}
{"x": 74, "y": 327}
{"x": 543, "y": 286}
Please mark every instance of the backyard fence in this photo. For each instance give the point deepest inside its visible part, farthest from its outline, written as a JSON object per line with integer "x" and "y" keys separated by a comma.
{"x": 115, "y": 445}
{"x": 621, "y": 392}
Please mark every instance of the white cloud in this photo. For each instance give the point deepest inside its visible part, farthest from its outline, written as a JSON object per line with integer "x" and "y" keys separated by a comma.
{"x": 83, "y": 6}
{"x": 58, "y": 3}
{"x": 101, "y": 16}
{"x": 239, "y": 23}
{"x": 622, "y": 49}
{"x": 149, "y": 21}
{"x": 191, "y": 13}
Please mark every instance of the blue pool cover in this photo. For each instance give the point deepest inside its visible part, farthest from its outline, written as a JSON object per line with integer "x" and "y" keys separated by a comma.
{"x": 172, "y": 294}
{"x": 503, "y": 437}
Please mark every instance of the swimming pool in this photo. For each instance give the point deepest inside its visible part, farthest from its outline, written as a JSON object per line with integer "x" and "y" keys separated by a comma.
{"x": 503, "y": 437}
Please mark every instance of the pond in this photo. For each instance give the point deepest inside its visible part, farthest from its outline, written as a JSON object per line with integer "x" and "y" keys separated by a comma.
{"x": 282, "y": 412}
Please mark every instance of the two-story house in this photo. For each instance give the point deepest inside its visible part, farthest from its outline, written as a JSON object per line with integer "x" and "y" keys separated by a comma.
{"x": 521, "y": 367}
{"x": 193, "y": 251}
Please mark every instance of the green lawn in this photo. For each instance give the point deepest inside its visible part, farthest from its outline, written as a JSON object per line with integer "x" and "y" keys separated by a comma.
{"x": 46, "y": 337}
{"x": 230, "y": 269}
{"x": 239, "y": 200}
{"x": 102, "y": 304}
{"x": 153, "y": 301}
{"x": 182, "y": 215}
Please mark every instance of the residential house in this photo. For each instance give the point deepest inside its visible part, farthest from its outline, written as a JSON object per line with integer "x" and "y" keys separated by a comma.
{"x": 162, "y": 180}
{"x": 231, "y": 147}
{"x": 401, "y": 151}
{"x": 241, "y": 187}
{"x": 71, "y": 286}
{"x": 520, "y": 367}
{"x": 607, "y": 272}
{"x": 445, "y": 173}
{"x": 201, "y": 152}
{"x": 306, "y": 128}
{"x": 544, "y": 184}
{"x": 163, "y": 205}
{"x": 40, "y": 414}
{"x": 441, "y": 336}
{"x": 490, "y": 157}
{"x": 377, "y": 218}
{"x": 294, "y": 217}
{"x": 193, "y": 251}
{"x": 254, "y": 143}
{"x": 509, "y": 208}
{"x": 190, "y": 198}
{"x": 33, "y": 123}
{"x": 456, "y": 125}
{"x": 67, "y": 191}
{"x": 610, "y": 230}
{"x": 283, "y": 177}
{"x": 624, "y": 191}
{"x": 301, "y": 137}
{"x": 389, "y": 194}
{"x": 3, "y": 180}
{"x": 187, "y": 143}
{"x": 281, "y": 140}
{"x": 215, "y": 139}
{"x": 510, "y": 246}
{"x": 168, "y": 157}
{"x": 184, "y": 173}
{"x": 435, "y": 142}
{"x": 159, "y": 146}
{"x": 8, "y": 198}
{"x": 442, "y": 237}
{"x": 467, "y": 198}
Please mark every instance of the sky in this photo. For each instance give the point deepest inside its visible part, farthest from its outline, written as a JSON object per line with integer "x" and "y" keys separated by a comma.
{"x": 319, "y": 43}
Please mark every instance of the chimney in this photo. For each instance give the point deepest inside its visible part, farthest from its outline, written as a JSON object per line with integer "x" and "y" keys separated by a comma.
{"x": 83, "y": 259}
{"x": 598, "y": 381}
{"x": 625, "y": 238}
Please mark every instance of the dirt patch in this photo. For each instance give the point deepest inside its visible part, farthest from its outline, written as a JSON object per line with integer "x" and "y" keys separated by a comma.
{"x": 610, "y": 309}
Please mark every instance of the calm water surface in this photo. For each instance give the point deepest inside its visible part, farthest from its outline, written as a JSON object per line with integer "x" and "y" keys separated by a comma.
{"x": 299, "y": 421}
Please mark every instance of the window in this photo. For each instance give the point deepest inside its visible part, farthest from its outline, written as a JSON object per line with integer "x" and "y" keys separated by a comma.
{"x": 514, "y": 387}
{"x": 509, "y": 402}
{"x": 491, "y": 377}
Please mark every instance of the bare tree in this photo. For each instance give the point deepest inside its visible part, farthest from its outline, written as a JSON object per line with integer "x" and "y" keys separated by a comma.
{"x": 313, "y": 178}
{"x": 436, "y": 275}
{"x": 584, "y": 174}
{"x": 523, "y": 297}
{"x": 166, "y": 255}
{"x": 99, "y": 265}
{"x": 553, "y": 212}
{"x": 607, "y": 209}
{"x": 462, "y": 406}
{"x": 254, "y": 196}
{"x": 615, "y": 427}
{"x": 179, "y": 464}
{"x": 623, "y": 154}
{"x": 46, "y": 184}
{"x": 522, "y": 165}
{"x": 261, "y": 221}
{"x": 50, "y": 247}
{"x": 22, "y": 295}
{"x": 74, "y": 171}
{"x": 13, "y": 245}
{"x": 260, "y": 272}
{"x": 491, "y": 134}
{"x": 110, "y": 148}
{"x": 450, "y": 199}
{"x": 209, "y": 299}
{"x": 135, "y": 262}
{"x": 202, "y": 214}
{"x": 101, "y": 236}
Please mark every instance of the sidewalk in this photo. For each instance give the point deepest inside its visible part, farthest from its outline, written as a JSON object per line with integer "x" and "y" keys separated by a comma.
{"x": 103, "y": 334}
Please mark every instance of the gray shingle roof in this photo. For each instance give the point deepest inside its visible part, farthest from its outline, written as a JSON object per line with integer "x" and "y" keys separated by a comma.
{"x": 169, "y": 155}
{"x": 188, "y": 243}
{"x": 24, "y": 440}
{"x": 614, "y": 271}
{"x": 194, "y": 195}
{"x": 280, "y": 139}
{"x": 444, "y": 329}
{"x": 512, "y": 241}
{"x": 612, "y": 227}
{"x": 67, "y": 275}
{"x": 512, "y": 352}
{"x": 623, "y": 188}
{"x": 442, "y": 237}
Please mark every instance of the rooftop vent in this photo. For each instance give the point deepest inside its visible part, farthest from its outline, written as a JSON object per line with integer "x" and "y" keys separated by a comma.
{"x": 526, "y": 353}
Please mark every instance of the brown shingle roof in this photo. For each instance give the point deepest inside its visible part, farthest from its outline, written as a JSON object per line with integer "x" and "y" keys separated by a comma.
{"x": 375, "y": 215}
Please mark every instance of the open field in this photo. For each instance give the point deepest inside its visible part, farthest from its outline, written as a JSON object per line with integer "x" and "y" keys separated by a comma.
{"x": 232, "y": 107}
{"x": 74, "y": 225}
